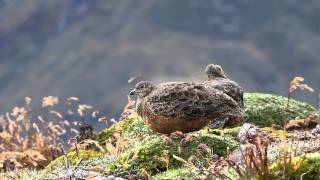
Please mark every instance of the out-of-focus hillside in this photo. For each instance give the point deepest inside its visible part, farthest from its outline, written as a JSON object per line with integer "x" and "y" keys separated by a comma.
{"x": 89, "y": 48}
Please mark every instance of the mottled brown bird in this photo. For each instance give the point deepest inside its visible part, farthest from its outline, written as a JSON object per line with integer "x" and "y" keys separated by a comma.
{"x": 181, "y": 106}
{"x": 218, "y": 80}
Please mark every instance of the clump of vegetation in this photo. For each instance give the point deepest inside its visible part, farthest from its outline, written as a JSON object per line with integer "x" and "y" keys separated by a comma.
{"x": 153, "y": 153}
{"x": 179, "y": 173}
{"x": 303, "y": 167}
{"x": 266, "y": 109}
{"x": 29, "y": 140}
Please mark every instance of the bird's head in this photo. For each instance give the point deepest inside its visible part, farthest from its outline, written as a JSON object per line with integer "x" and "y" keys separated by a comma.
{"x": 214, "y": 71}
{"x": 142, "y": 89}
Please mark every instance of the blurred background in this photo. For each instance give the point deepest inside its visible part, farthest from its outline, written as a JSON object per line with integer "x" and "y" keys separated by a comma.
{"x": 90, "y": 48}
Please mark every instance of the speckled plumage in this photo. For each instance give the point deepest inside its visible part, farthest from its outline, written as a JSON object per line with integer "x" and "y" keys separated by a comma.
{"x": 218, "y": 80}
{"x": 182, "y": 106}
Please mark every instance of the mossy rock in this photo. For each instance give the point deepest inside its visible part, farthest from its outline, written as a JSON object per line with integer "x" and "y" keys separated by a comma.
{"x": 73, "y": 158}
{"x": 178, "y": 173}
{"x": 132, "y": 127}
{"x": 154, "y": 153}
{"x": 266, "y": 109}
{"x": 310, "y": 168}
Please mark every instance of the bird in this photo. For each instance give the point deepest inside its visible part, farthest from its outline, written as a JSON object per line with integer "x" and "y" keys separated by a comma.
{"x": 181, "y": 106}
{"x": 218, "y": 80}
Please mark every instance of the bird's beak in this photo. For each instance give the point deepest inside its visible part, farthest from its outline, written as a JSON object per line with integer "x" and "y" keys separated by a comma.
{"x": 132, "y": 93}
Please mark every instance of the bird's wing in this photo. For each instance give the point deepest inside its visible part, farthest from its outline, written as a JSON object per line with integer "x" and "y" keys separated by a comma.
{"x": 188, "y": 100}
{"x": 229, "y": 87}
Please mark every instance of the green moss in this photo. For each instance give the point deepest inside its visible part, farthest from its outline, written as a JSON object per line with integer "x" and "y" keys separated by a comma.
{"x": 133, "y": 127}
{"x": 266, "y": 109}
{"x": 231, "y": 132}
{"x": 276, "y": 133}
{"x": 310, "y": 168}
{"x": 24, "y": 174}
{"x": 150, "y": 156}
{"x": 178, "y": 173}
{"x": 73, "y": 158}
{"x": 156, "y": 155}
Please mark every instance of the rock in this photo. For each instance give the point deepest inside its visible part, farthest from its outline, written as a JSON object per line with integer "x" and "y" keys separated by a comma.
{"x": 316, "y": 130}
{"x": 83, "y": 174}
{"x": 248, "y": 132}
{"x": 110, "y": 177}
{"x": 265, "y": 109}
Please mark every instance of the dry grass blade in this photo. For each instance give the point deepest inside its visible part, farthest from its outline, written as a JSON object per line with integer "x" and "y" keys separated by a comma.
{"x": 37, "y": 138}
{"x": 73, "y": 99}
{"x": 82, "y": 108}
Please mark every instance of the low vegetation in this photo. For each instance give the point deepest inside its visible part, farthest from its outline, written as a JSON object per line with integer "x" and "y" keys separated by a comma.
{"x": 31, "y": 145}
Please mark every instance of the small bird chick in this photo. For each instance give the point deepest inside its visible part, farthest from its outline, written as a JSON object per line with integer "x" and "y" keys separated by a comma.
{"x": 218, "y": 80}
